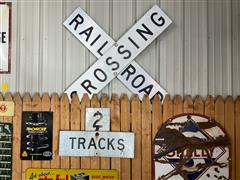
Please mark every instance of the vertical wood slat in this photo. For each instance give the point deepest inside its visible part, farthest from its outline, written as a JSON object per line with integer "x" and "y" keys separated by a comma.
{"x": 105, "y": 103}
{"x": 146, "y": 139}
{"x": 85, "y": 161}
{"x": 157, "y": 118}
{"x": 125, "y": 127}
{"x": 137, "y": 129}
{"x": 46, "y": 106}
{"x": 115, "y": 126}
{"x": 219, "y": 110}
{"x": 55, "y": 108}
{"x": 64, "y": 125}
{"x": 36, "y": 106}
{"x": 188, "y": 104}
{"x": 177, "y": 105}
{"x": 230, "y": 129}
{"x": 95, "y": 161}
{"x": 198, "y": 105}
{"x": 167, "y": 108}
{"x": 209, "y": 107}
{"x": 27, "y": 106}
{"x": 75, "y": 126}
{"x": 237, "y": 129}
{"x": 16, "y": 161}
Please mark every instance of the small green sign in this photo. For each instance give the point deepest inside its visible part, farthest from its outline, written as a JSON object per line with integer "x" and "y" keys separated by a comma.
{"x": 5, "y": 151}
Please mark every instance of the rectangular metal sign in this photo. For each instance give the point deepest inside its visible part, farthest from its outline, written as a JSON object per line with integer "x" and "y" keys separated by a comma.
{"x": 97, "y": 119}
{"x": 5, "y": 151}
{"x": 6, "y": 108}
{"x": 90, "y": 143}
{"x": 36, "y": 140}
{"x": 71, "y": 174}
{"x": 153, "y": 23}
{"x": 5, "y": 37}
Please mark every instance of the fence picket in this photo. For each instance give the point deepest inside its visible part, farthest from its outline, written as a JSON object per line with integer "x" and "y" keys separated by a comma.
{"x": 46, "y": 106}
{"x": 125, "y": 127}
{"x": 237, "y": 129}
{"x": 167, "y": 108}
{"x": 137, "y": 128}
{"x": 219, "y": 110}
{"x": 198, "y": 105}
{"x": 115, "y": 126}
{"x": 27, "y": 106}
{"x": 156, "y": 115}
{"x": 1, "y": 99}
{"x": 188, "y": 104}
{"x": 95, "y": 161}
{"x": 55, "y": 108}
{"x": 105, "y": 103}
{"x": 64, "y": 125}
{"x": 36, "y": 106}
{"x": 75, "y": 125}
{"x": 146, "y": 139}
{"x": 85, "y": 161}
{"x": 230, "y": 128}
{"x": 209, "y": 107}
{"x": 177, "y": 105}
{"x": 16, "y": 161}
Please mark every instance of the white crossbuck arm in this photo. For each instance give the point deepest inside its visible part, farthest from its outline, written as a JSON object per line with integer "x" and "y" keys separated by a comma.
{"x": 116, "y": 59}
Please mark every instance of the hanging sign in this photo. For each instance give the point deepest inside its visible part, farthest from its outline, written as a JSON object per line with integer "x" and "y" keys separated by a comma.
{"x": 6, "y": 108}
{"x": 191, "y": 146}
{"x": 5, "y": 151}
{"x": 114, "y": 58}
{"x": 71, "y": 174}
{"x": 90, "y": 143}
{"x": 5, "y": 37}
{"x": 97, "y": 119}
{"x": 36, "y": 141}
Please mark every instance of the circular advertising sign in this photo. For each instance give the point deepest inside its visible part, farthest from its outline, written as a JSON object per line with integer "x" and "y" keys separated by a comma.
{"x": 189, "y": 147}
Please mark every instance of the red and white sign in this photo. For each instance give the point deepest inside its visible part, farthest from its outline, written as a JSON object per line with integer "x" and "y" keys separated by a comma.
{"x": 5, "y": 37}
{"x": 115, "y": 58}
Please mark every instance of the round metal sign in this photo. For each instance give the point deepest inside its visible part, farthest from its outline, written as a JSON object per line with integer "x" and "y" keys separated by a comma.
{"x": 191, "y": 146}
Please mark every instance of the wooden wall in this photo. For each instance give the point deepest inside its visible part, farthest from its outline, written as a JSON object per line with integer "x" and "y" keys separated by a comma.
{"x": 143, "y": 118}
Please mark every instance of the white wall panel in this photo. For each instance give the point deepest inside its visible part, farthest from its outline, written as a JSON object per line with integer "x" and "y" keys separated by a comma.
{"x": 197, "y": 54}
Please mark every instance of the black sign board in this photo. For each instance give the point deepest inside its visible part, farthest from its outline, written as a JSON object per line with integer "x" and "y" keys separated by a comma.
{"x": 36, "y": 141}
{"x": 5, "y": 151}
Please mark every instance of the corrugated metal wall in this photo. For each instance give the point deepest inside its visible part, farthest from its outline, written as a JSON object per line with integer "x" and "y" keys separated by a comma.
{"x": 197, "y": 54}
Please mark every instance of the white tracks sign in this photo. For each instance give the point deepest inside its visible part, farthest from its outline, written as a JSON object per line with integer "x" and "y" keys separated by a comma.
{"x": 115, "y": 58}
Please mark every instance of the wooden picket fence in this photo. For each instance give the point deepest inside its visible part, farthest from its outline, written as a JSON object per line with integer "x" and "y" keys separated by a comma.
{"x": 141, "y": 117}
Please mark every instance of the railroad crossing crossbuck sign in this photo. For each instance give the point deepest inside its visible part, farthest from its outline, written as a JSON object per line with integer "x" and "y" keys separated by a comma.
{"x": 115, "y": 59}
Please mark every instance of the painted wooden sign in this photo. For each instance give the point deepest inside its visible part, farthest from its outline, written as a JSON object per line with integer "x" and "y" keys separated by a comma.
{"x": 191, "y": 147}
{"x": 71, "y": 174}
{"x": 5, "y": 37}
{"x": 114, "y": 58}
{"x": 5, "y": 151}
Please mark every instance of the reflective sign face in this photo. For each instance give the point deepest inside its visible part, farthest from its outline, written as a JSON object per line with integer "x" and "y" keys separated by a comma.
{"x": 191, "y": 147}
{"x": 6, "y": 108}
{"x": 90, "y": 143}
{"x": 117, "y": 56}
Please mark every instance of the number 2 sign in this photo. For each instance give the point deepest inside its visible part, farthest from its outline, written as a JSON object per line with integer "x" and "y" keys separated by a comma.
{"x": 97, "y": 119}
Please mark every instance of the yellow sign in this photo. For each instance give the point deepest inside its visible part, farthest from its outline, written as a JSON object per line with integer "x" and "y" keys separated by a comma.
{"x": 6, "y": 108}
{"x": 71, "y": 174}
{"x": 4, "y": 86}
